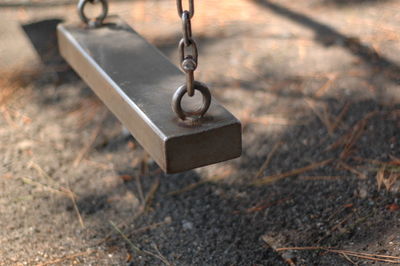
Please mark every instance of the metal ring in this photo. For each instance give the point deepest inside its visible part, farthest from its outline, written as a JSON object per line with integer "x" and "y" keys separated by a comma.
{"x": 181, "y": 48}
{"x": 99, "y": 19}
{"x": 177, "y": 99}
{"x": 180, "y": 8}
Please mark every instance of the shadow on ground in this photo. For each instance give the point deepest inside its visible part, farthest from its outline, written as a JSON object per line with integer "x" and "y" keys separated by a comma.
{"x": 352, "y": 2}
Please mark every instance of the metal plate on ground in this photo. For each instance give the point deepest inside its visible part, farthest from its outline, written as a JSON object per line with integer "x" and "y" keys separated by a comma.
{"x": 136, "y": 82}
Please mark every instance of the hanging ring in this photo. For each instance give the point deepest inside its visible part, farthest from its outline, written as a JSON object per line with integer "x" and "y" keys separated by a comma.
{"x": 177, "y": 99}
{"x": 99, "y": 19}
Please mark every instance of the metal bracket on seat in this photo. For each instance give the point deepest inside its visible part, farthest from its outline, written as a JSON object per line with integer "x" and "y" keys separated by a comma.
{"x": 136, "y": 82}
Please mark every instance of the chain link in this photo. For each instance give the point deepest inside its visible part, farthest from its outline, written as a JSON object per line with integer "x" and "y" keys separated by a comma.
{"x": 180, "y": 8}
{"x": 187, "y": 28}
{"x": 188, "y": 61}
{"x": 188, "y": 56}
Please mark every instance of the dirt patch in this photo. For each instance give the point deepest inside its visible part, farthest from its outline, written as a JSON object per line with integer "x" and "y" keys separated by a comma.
{"x": 316, "y": 87}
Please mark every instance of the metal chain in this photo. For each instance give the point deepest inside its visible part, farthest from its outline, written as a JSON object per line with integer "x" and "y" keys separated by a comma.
{"x": 98, "y": 21}
{"x": 188, "y": 56}
{"x": 188, "y": 61}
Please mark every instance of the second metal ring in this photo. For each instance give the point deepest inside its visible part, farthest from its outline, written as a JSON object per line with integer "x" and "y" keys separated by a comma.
{"x": 177, "y": 100}
{"x": 99, "y": 19}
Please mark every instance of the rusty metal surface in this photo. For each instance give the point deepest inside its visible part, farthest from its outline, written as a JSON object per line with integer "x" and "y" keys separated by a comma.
{"x": 136, "y": 82}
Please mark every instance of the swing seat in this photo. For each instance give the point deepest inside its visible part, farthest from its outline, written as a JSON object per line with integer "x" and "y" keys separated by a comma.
{"x": 136, "y": 82}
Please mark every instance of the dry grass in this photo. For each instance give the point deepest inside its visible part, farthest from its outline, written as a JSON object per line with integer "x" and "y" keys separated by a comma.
{"x": 387, "y": 173}
{"x": 330, "y": 121}
{"x": 387, "y": 178}
{"x": 323, "y": 115}
{"x": 157, "y": 253}
{"x": 266, "y": 163}
{"x": 49, "y": 184}
{"x": 348, "y": 140}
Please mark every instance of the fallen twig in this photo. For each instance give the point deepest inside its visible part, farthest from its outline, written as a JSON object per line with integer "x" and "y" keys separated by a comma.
{"x": 45, "y": 187}
{"x": 369, "y": 256}
{"x": 188, "y": 187}
{"x": 317, "y": 178}
{"x": 271, "y": 179}
{"x": 63, "y": 191}
{"x": 263, "y": 206}
{"x": 109, "y": 235}
{"x": 150, "y": 195}
{"x": 349, "y": 139}
{"x": 353, "y": 170}
{"x": 67, "y": 191}
{"x": 72, "y": 197}
{"x": 139, "y": 188}
{"x": 322, "y": 90}
{"x": 339, "y": 118}
{"x": 137, "y": 249}
{"x": 40, "y": 170}
{"x": 67, "y": 257}
{"x": 150, "y": 227}
{"x": 268, "y": 160}
{"x": 348, "y": 259}
{"x": 323, "y": 116}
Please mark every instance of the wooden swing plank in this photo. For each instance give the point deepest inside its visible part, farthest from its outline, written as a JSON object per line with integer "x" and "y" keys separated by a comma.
{"x": 136, "y": 82}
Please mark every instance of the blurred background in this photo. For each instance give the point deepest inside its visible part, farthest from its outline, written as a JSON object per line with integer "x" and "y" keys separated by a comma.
{"x": 316, "y": 85}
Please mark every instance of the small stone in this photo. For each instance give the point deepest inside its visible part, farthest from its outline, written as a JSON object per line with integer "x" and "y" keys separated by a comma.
{"x": 187, "y": 225}
{"x": 362, "y": 192}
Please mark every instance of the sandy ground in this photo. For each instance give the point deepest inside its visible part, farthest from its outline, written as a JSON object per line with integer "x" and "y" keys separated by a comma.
{"x": 316, "y": 85}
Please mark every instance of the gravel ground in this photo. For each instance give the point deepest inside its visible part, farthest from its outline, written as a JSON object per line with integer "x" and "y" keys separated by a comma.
{"x": 316, "y": 85}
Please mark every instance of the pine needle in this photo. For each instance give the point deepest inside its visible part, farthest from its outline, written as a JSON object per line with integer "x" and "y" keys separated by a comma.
{"x": 369, "y": 256}
{"x": 271, "y": 179}
{"x": 137, "y": 249}
{"x": 268, "y": 160}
